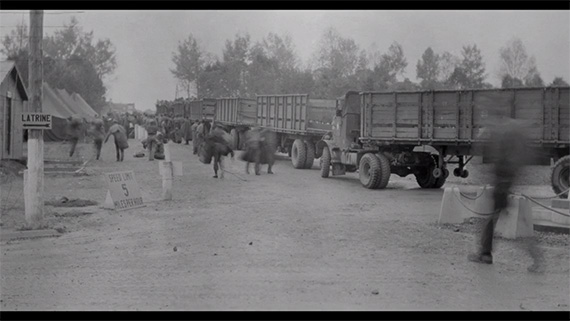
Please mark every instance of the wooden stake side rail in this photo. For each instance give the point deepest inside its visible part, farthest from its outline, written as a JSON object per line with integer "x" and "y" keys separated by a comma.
{"x": 295, "y": 114}
{"x": 457, "y": 117}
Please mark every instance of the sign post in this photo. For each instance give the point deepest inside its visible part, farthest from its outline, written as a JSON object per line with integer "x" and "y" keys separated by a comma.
{"x": 123, "y": 191}
{"x": 34, "y": 180}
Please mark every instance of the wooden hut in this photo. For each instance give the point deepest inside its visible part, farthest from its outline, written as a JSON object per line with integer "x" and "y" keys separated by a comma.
{"x": 13, "y": 96}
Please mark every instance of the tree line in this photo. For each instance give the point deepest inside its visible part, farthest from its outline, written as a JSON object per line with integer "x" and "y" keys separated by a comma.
{"x": 76, "y": 61}
{"x": 73, "y": 60}
{"x": 337, "y": 65}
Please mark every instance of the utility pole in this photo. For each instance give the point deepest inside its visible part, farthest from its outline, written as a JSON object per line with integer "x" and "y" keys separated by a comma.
{"x": 34, "y": 182}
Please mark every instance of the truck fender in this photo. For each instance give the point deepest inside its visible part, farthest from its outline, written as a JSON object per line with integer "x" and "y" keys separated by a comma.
{"x": 332, "y": 147}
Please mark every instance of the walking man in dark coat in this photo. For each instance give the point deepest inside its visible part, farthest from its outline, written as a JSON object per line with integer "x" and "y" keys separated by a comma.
{"x": 74, "y": 130}
{"x": 509, "y": 151}
{"x": 98, "y": 134}
{"x": 120, "y": 135}
{"x": 152, "y": 129}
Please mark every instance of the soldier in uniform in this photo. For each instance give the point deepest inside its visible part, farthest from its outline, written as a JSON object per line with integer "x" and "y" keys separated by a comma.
{"x": 120, "y": 135}
{"x": 74, "y": 130}
{"x": 195, "y": 142}
{"x": 187, "y": 130}
{"x": 152, "y": 130}
{"x": 98, "y": 134}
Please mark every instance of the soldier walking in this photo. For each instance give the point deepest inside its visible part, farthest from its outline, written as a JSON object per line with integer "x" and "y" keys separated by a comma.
{"x": 98, "y": 134}
{"x": 509, "y": 151}
{"x": 74, "y": 130}
{"x": 120, "y": 135}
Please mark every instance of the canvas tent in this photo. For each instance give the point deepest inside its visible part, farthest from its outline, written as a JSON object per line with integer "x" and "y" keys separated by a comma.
{"x": 84, "y": 105}
{"x": 61, "y": 106}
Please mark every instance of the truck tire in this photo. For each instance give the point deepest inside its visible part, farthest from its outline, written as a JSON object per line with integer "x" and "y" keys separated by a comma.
{"x": 310, "y": 157}
{"x": 298, "y": 154}
{"x": 384, "y": 170}
{"x": 425, "y": 176}
{"x": 325, "y": 162}
{"x": 370, "y": 171}
{"x": 559, "y": 176}
{"x": 235, "y": 139}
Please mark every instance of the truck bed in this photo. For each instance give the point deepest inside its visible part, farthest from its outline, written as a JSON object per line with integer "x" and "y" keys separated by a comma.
{"x": 457, "y": 116}
{"x": 295, "y": 113}
{"x": 201, "y": 109}
{"x": 236, "y": 111}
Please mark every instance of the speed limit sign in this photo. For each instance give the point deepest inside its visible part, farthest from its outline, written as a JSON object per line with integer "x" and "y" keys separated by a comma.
{"x": 124, "y": 190}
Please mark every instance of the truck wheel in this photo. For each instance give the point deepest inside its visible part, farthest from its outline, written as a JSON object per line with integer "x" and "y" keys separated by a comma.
{"x": 235, "y": 139}
{"x": 325, "y": 162}
{"x": 425, "y": 176}
{"x": 310, "y": 158}
{"x": 559, "y": 176}
{"x": 384, "y": 171}
{"x": 369, "y": 171}
{"x": 298, "y": 154}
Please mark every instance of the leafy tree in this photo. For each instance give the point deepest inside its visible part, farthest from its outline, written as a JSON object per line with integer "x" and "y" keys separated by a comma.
{"x": 72, "y": 60}
{"x": 532, "y": 78}
{"x": 73, "y": 41}
{"x": 335, "y": 62}
{"x": 427, "y": 69}
{"x": 559, "y": 82}
{"x": 189, "y": 62}
{"x": 470, "y": 73}
{"x": 516, "y": 64}
{"x": 388, "y": 67}
{"x": 447, "y": 64}
{"x": 236, "y": 60}
{"x": 510, "y": 82}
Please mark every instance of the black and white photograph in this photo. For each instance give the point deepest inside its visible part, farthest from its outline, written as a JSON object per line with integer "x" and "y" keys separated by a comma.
{"x": 284, "y": 160}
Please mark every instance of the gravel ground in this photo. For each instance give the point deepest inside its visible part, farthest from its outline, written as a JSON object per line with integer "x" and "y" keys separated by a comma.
{"x": 289, "y": 241}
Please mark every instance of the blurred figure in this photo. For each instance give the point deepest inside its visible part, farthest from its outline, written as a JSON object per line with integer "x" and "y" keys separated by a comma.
{"x": 120, "y": 135}
{"x": 187, "y": 130}
{"x": 98, "y": 134}
{"x": 158, "y": 145}
{"x": 509, "y": 151}
{"x": 194, "y": 129}
{"x": 199, "y": 136}
{"x": 260, "y": 147}
{"x": 74, "y": 130}
{"x": 152, "y": 130}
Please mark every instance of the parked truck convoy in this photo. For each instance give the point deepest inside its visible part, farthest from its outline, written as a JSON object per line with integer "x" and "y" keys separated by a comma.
{"x": 404, "y": 133}
{"x": 420, "y": 133}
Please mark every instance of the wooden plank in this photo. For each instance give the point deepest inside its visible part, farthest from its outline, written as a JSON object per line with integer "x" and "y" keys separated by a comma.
{"x": 457, "y": 115}
{"x": 556, "y": 116}
{"x": 431, "y": 115}
{"x": 395, "y": 113}
{"x": 370, "y": 114}
{"x": 419, "y": 114}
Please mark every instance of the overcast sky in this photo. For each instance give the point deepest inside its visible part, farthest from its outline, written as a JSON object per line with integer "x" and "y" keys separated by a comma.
{"x": 145, "y": 40}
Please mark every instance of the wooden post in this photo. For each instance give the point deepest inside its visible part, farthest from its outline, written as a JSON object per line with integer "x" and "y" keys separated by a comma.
{"x": 167, "y": 152}
{"x": 33, "y": 202}
{"x": 167, "y": 173}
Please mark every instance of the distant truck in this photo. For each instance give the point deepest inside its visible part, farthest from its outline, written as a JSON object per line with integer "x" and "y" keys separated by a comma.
{"x": 298, "y": 121}
{"x": 420, "y": 133}
{"x": 203, "y": 109}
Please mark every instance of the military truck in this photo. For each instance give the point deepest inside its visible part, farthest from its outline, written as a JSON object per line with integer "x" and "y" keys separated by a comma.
{"x": 237, "y": 115}
{"x": 299, "y": 121}
{"x": 203, "y": 109}
{"x": 419, "y": 133}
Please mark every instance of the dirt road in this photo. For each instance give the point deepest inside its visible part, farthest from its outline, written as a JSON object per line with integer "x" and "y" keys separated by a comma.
{"x": 289, "y": 241}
